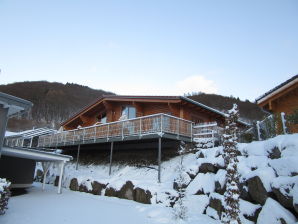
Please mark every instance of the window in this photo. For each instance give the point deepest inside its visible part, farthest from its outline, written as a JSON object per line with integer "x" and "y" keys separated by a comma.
{"x": 130, "y": 112}
{"x": 103, "y": 118}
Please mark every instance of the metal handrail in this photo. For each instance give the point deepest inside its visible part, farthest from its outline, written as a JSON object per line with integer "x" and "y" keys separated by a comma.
{"x": 130, "y": 127}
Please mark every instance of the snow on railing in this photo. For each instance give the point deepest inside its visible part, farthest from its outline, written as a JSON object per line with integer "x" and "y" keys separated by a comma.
{"x": 152, "y": 124}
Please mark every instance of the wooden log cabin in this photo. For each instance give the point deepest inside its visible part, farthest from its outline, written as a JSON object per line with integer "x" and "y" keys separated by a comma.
{"x": 112, "y": 108}
{"x": 133, "y": 123}
{"x": 124, "y": 118}
{"x": 282, "y": 98}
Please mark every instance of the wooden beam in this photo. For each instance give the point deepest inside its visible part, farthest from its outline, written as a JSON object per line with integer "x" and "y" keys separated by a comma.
{"x": 159, "y": 159}
{"x": 111, "y": 158}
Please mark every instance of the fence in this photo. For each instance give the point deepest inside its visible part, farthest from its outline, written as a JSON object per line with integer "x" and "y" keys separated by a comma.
{"x": 207, "y": 134}
{"x": 152, "y": 124}
{"x": 269, "y": 127}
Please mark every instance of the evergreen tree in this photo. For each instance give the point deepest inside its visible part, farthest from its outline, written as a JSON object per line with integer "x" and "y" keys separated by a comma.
{"x": 231, "y": 196}
{"x": 180, "y": 210}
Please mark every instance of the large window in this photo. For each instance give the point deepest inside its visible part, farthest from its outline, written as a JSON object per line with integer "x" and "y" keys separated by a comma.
{"x": 129, "y": 112}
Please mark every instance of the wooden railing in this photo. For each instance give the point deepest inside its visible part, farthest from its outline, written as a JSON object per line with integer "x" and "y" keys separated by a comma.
{"x": 152, "y": 124}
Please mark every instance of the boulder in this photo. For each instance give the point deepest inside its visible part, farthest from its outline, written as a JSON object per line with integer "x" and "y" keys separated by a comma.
{"x": 111, "y": 192}
{"x": 201, "y": 155}
{"x": 218, "y": 189}
{"x": 285, "y": 200}
{"x": 97, "y": 187}
{"x": 74, "y": 185}
{"x": 208, "y": 168}
{"x": 274, "y": 153}
{"x": 272, "y": 212}
{"x": 142, "y": 196}
{"x": 216, "y": 204}
{"x": 244, "y": 192}
{"x": 256, "y": 190}
{"x": 127, "y": 191}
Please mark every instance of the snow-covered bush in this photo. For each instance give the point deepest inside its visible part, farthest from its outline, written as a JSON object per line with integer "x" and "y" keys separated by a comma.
{"x": 4, "y": 195}
{"x": 180, "y": 210}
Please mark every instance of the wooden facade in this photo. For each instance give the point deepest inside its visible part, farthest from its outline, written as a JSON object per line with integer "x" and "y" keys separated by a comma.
{"x": 110, "y": 109}
{"x": 283, "y": 98}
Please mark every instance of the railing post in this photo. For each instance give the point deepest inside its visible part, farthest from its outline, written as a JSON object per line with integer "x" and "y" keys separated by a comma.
{"x": 178, "y": 128}
{"x": 140, "y": 126}
{"x": 108, "y": 132}
{"x": 84, "y": 132}
{"x": 122, "y": 131}
{"x": 94, "y": 134}
{"x": 283, "y": 120}
{"x": 161, "y": 126}
{"x": 191, "y": 131}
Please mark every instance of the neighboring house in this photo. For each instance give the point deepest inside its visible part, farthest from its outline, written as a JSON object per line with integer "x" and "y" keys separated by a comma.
{"x": 282, "y": 98}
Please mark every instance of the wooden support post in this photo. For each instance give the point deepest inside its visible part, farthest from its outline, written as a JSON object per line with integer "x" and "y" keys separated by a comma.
{"x": 159, "y": 158}
{"x": 61, "y": 177}
{"x": 78, "y": 156}
{"x": 111, "y": 158}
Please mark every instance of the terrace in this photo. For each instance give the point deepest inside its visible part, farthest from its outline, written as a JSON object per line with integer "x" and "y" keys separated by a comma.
{"x": 146, "y": 127}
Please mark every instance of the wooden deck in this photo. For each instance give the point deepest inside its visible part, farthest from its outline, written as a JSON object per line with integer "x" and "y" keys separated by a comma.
{"x": 152, "y": 126}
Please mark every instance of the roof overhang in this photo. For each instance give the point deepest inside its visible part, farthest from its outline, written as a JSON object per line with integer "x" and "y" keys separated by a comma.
{"x": 33, "y": 154}
{"x": 277, "y": 90}
{"x": 14, "y": 104}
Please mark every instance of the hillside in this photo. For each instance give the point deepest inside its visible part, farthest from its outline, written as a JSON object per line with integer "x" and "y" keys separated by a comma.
{"x": 248, "y": 111}
{"x": 53, "y": 102}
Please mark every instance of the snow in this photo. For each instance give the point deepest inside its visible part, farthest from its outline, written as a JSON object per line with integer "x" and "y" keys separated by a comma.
{"x": 71, "y": 207}
{"x": 272, "y": 211}
{"x": 202, "y": 182}
{"x": 254, "y": 161}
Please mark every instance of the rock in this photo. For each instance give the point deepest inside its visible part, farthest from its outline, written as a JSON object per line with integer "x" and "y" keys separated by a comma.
{"x": 218, "y": 188}
{"x": 253, "y": 217}
{"x": 256, "y": 190}
{"x": 74, "y": 185}
{"x": 244, "y": 192}
{"x": 142, "y": 196}
{"x": 111, "y": 192}
{"x": 274, "y": 153}
{"x": 56, "y": 181}
{"x": 97, "y": 187}
{"x": 272, "y": 212}
{"x": 127, "y": 191}
{"x": 207, "y": 167}
{"x": 201, "y": 155}
{"x": 217, "y": 205}
{"x": 285, "y": 200}
{"x": 296, "y": 207}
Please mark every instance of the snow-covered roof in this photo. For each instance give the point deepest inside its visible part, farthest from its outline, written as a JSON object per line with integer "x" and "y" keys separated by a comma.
{"x": 14, "y": 104}
{"x": 34, "y": 154}
{"x": 277, "y": 89}
{"x": 31, "y": 133}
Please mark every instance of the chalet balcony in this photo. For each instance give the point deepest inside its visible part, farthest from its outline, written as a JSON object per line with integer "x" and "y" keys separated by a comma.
{"x": 146, "y": 127}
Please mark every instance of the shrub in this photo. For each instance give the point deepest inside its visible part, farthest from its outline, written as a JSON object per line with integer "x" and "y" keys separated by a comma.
{"x": 4, "y": 195}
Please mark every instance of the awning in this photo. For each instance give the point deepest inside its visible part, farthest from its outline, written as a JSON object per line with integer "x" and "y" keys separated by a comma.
{"x": 46, "y": 158}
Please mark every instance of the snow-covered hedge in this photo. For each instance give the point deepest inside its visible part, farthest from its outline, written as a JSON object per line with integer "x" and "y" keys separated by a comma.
{"x": 4, "y": 195}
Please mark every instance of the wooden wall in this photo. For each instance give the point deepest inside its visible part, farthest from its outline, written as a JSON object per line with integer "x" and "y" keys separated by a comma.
{"x": 113, "y": 111}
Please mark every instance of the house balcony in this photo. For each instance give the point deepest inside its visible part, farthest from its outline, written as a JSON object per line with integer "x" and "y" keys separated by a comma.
{"x": 146, "y": 127}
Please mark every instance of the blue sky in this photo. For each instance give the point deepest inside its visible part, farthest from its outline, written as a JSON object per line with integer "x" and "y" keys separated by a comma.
{"x": 239, "y": 48}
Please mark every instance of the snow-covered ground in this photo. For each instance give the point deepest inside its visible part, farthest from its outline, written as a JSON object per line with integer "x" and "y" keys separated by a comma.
{"x": 273, "y": 161}
{"x": 70, "y": 207}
